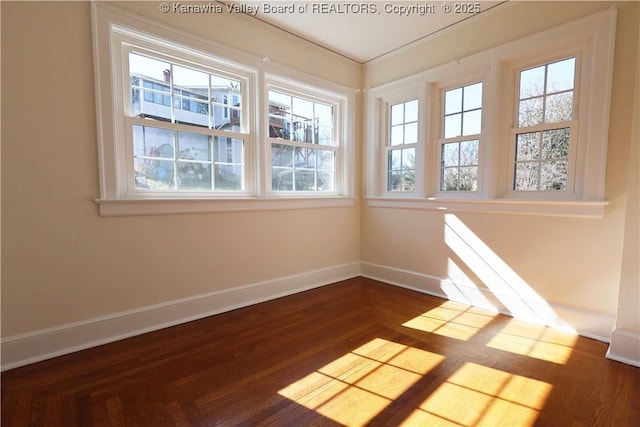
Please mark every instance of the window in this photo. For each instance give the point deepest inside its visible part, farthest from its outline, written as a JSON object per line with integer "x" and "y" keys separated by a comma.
{"x": 545, "y": 125}
{"x": 401, "y": 149}
{"x": 179, "y": 120}
{"x": 177, "y": 145}
{"x": 518, "y": 128}
{"x": 305, "y": 146}
{"x": 459, "y": 146}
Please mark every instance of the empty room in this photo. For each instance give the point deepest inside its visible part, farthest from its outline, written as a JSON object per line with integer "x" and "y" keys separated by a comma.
{"x": 293, "y": 213}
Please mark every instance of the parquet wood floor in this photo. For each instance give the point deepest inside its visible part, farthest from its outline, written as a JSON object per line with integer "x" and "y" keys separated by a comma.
{"x": 358, "y": 352}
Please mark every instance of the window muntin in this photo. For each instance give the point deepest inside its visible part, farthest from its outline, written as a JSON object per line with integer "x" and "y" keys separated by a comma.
{"x": 460, "y": 139}
{"x": 401, "y": 147}
{"x": 183, "y": 134}
{"x": 304, "y": 142}
{"x": 545, "y": 127}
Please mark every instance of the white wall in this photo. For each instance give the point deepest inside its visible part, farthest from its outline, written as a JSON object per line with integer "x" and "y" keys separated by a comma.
{"x": 573, "y": 264}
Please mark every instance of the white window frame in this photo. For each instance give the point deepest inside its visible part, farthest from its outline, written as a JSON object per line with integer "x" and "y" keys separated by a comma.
{"x": 591, "y": 41}
{"x": 381, "y": 101}
{"x": 437, "y": 118}
{"x": 314, "y": 93}
{"x": 113, "y": 28}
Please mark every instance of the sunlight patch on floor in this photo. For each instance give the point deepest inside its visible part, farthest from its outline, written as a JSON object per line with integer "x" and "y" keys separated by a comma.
{"x": 359, "y": 385}
{"x": 477, "y": 395}
{"x": 452, "y": 320}
{"x": 535, "y": 341}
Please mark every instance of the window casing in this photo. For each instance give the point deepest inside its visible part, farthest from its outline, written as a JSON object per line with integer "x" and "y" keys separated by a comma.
{"x": 528, "y": 151}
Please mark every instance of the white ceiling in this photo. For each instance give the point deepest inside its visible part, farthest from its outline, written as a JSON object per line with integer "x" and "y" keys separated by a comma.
{"x": 357, "y": 34}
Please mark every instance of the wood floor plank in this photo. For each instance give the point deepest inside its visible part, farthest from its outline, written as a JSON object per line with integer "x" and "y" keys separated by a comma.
{"x": 358, "y": 352}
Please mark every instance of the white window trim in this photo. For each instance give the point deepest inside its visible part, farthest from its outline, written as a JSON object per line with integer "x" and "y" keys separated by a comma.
{"x": 593, "y": 38}
{"x": 108, "y": 23}
{"x": 309, "y": 88}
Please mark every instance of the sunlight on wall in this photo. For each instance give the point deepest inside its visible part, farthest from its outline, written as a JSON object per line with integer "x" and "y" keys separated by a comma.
{"x": 460, "y": 288}
{"x": 452, "y": 320}
{"x": 354, "y": 388}
{"x": 478, "y": 395}
{"x": 501, "y": 281}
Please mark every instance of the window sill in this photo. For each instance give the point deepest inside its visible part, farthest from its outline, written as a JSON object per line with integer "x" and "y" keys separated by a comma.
{"x": 158, "y": 206}
{"x": 571, "y": 208}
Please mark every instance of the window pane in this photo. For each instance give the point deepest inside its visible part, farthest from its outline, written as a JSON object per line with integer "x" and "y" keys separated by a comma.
{"x": 468, "y": 179}
{"x": 397, "y": 135}
{"x": 229, "y": 177}
{"x": 453, "y": 101}
{"x": 408, "y": 180}
{"x": 305, "y": 157}
{"x": 395, "y": 181}
{"x": 411, "y": 111}
{"x": 469, "y": 153}
{"x": 453, "y": 126}
{"x": 302, "y": 116}
{"x": 193, "y": 146}
{"x": 472, "y": 122}
{"x": 326, "y": 160}
{"x": 473, "y": 97}
{"x": 154, "y": 157}
{"x": 281, "y": 179}
{"x": 411, "y": 133}
{"x": 528, "y": 146}
{"x": 532, "y": 82}
{"x": 194, "y": 176}
{"x": 281, "y": 155}
{"x": 555, "y": 144}
{"x": 553, "y": 176}
{"x": 397, "y": 114}
{"x": 558, "y": 107}
{"x": 409, "y": 158}
{"x": 449, "y": 180}
{"x": 395, "y": 159}
{"x": 526, "y": 178}
{"x": 192, "y": 106}
{"x": 530, "y": 112}
{"x": 326, "y": 181}
{"x": 305, "y": 180}
{"x": 560, "y": 75}
{"x": 450, "y": 154}
{"x": 154, "y": 77}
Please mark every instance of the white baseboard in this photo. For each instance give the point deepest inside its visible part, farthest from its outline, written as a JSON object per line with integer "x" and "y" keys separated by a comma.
{"x": 44, "y": 344}
{"x": 589, "y": 324}
{"x": 624, "y": 347}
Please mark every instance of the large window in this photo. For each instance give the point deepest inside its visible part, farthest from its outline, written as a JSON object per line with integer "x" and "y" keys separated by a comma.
{"x": 519, "y": 128}
{"x": 184, "y": 136}
{"x": 188, "y": 125}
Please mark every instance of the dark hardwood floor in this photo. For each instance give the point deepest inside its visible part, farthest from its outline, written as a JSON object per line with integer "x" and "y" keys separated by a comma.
{"x": 357, "y": 352}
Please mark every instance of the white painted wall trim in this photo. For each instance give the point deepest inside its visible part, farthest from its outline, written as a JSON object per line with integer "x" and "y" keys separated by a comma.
{"x": 589, "y": 324}
{"x": 624, "y": 347}
{"x": 47, "y": 343}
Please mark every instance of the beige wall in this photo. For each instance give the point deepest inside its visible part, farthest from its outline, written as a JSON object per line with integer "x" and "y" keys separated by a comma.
{"x": 64, "y": 263}
{"x": 573, "y": 263}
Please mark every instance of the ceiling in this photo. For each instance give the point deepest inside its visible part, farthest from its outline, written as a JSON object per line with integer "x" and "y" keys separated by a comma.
{"x": 363, "y": 30}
